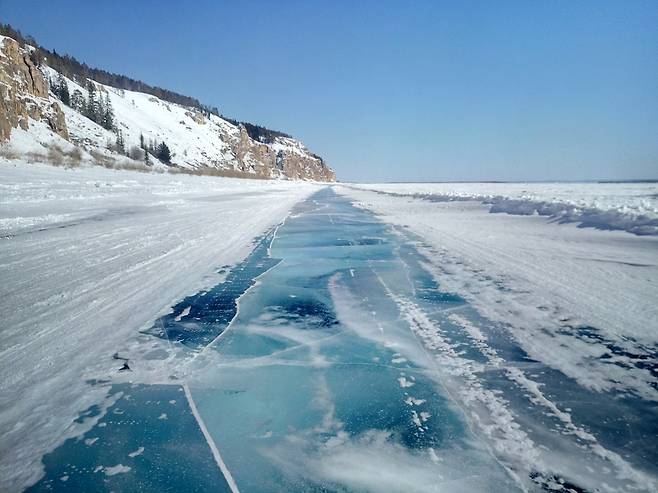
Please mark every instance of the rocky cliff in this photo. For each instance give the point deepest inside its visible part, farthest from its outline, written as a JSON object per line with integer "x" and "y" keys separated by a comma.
{"x": 198, "y": 142}
{"x": 24, "y": 93}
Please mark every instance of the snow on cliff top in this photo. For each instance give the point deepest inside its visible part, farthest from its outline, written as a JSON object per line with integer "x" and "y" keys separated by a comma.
{"x": 290, "y": 145}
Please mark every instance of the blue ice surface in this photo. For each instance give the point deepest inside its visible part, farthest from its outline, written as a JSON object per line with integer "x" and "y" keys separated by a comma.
{"x": 298, "y": 388}
{"x": 622, "y": 422}
{"x": 153, "y": 423}
{"x": 211, "y": 311}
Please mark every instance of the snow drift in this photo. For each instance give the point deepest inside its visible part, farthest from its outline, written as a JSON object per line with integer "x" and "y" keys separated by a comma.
{"x": 631, "y": 207}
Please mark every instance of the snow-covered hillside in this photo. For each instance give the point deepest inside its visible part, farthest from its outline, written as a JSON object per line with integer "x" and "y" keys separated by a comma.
{"x": 198, "y": 141}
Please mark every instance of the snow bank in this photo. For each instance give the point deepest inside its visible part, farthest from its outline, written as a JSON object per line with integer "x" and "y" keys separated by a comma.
{"x": 631, "y": 207}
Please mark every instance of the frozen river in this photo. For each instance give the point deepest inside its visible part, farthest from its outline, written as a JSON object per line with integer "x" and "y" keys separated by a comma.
{"x": 331, "y": 360}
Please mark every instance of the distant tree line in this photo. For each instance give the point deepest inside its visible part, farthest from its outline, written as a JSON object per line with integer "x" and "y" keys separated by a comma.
{"x": 80, "y": 72}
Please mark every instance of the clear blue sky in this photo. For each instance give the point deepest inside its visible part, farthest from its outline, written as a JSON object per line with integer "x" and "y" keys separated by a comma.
{"x": 460, "y": 90}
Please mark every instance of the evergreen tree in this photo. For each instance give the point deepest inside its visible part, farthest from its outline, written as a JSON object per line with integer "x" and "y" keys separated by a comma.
{"x": 163, "y": 153}
{"x": 107, "y": 120}
{"x": 141, "y": 141}
{"x": 77, "y": 100}
{"x": 91, "y": 107}
{"x": 36, "y": 56}
{"x": 147, "y": 159}
{"x": 63, "y": 90}
{"x": 53, "y": 85}
{"x": 120, "y": 145}
{"x": 100, "y": 110}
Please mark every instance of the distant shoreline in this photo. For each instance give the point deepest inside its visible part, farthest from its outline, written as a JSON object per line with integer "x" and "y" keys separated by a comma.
{"x": 648, "y": 180}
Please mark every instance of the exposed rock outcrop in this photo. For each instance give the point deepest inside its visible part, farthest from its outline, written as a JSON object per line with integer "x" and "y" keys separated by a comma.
{"x": 284, "y": 157}
{"x": 24, "y": 93}
{"x": 305, "y": 167}
{"x": 295, "y": 161}
{"x": 253, "y": 156}
{"x": 56, "y": 120}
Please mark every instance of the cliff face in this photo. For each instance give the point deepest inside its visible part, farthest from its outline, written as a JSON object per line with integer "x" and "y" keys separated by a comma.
{"x": 296, "y": 161}
{"x": 284, "y": 156}
{"x": 197, "y": 142}
{"x": 253, "y": 156}
{"x": 24, "y": 93}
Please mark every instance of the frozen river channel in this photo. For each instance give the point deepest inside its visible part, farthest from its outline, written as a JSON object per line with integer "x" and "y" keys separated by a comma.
{"x": 330, "y": 360}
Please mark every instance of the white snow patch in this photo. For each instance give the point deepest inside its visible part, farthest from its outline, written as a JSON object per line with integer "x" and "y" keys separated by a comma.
{"x": 118, "y": 469}
{"x": 404, "y": 383}
{"x": 137, "y": 452}
{"x": 627, "y": 206}
{"x": 183, "y": 314}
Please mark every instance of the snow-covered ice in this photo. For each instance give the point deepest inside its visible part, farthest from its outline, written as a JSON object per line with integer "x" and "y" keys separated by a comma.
{"x": 374, "y": 365}
{"x": 404, "y": 344}
{"x": 87, "y": 258}
{"x": 543, "y": 279}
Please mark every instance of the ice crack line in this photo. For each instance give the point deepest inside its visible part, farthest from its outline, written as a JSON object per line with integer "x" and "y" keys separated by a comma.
{"x": 211, "y": 443}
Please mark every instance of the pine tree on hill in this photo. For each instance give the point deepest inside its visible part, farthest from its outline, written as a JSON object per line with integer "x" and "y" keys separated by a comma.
{"x": 163, "y": 153}
{"x": 91, "y": 107}
{"x": 120, "y": 145}
{"x": 61, "y": 89}
{"x": 77, "y": 100}
{"x": 99, "y": 112}
{"x": 107, "y": 120}
{"x": 37, "y": 56}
